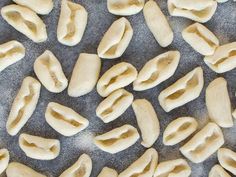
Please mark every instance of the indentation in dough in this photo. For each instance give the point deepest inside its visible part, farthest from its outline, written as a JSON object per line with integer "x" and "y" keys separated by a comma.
{"x": 221, "y": 60}
{"x": 183, "y": 127}
{"x": 11, "y": 52}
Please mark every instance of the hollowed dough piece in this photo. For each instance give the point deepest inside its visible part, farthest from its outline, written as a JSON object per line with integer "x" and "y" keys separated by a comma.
{"x": 4, "y": 160}
{"x": 218, "y": 171}
{"x": 227, "y": 159}
{"x": 108, "y": 172}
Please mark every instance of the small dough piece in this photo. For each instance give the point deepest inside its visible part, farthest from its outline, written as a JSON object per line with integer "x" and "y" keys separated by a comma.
{"x": 16, "y": 169}
{"x": 196, "y": 10}
{"x": 116, "y": 39}
{"x": 10, "y": 53}
{"x": 25, "y": 21}
{"x": 4, "y": 160}
{"x": 23, "y": 105}
{"x": 117, "y": 139}
{"x": 200, "y": 39}
{"x": 118, "y": 76}
{"x": 224, "y": 58}
{"x": 114, "y": 105}
{"x": 64, "y": 120}
{"x": 157, "y": 70}
{"x": 183, "y": 90}
{"x": 42, "y": 7}
{"x": 227, "y": 159}
{"x": 204, "y": 143}
{"x": 218, "y": 171}
{"x": 39, "y": 148}
{"x": 144, "y": 166}
{"x": 108, "y": 172}
{"x": 178, "y": 130}
{"x": 72, "y": 23}
{"x": 157, "y": 23}
{"x": 49, "y": 71}
{"x": 173, "y": 168}
{"x": 85, "y": 75}
{"x": 147, "y": 121}
{"x": 218, "y": 103}
{"x": 81, "y": 168}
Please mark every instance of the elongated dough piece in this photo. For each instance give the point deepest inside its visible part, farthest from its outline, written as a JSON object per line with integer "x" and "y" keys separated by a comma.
{"x": 81, "y": 168}
{"x": 114, "y": 105}
{"x": 23, "y": 105}
{"x": 116, "y": 39}
{"x": 157, "y": 23}
{"x": 200, "y": 39}
{"x": 4, "y": 160}
{"x": 72, "y": 23}
{"x": 42, "y": 7}
{"x": 183, "y": 90}
{"x": 49, "y": 71}
{"x": 117, "y": 139}
{"x": 64, "y": 120}
{"x": 39, "y": 148}
{"x": 227, "y": 159}
{"x": 85, "y": 75}
{"x": 118, "y": 76}
{"x": 197, "y": 10}
{"x": 25, "y": 21}
{"x": 157, "y": 70}
{"x": 224, "y": 58}
{"x": 178, "y": 130}
{"x": 204, "y": 143}
{"x": 218, "y": 103}
{"x": 144, "y": 166}
{"x": 108, "y": 172}
{"x": 218, "y": 171}
{"x": 147, "y": 121}
{"x": 173, "y": 168}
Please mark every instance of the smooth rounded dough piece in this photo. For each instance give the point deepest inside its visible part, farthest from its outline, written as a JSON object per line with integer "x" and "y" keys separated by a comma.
{"x": 85, "y": 75}
{"x": 39, "y": 148}
{"x": 116, "y": 39}
{"x": 157, "y": 70}
{"x": 42, "y": 7}
{"x": 25, "y": 21}
{"x": 23, "y": 105}
{"x": 157, "y": 23}
{"x": 4, "y": 160}
{"x": 143, "y": 166}
{"x": 183, "y": 90}
{"x": 218, "y": 171}
{"x": 147, "y": 121}
{"x": 218, "y": 103}
{"x": 204, "y": 143}
{"x": 108, "y": 172}
{"x": 224, "y": 58}
{"x": 118, "y": 76}
{"x": 81, "y": 168}
{"x": 200, "y": 39}
{"x": 72, "y": 23}
{"x": 114, "y": 105}
{"x": 65, "y": 120}
{"x": 227, "y": 159}
{"x": 49, "y": 71}
{"x": 178, "y": 130}
{"x": 117, "y": 139}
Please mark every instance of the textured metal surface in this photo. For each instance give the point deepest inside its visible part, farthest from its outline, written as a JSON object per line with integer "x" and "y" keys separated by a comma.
{"x": 142, "y": 48}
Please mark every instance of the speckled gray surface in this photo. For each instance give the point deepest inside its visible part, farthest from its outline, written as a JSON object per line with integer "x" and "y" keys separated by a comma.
{"x": 142, "y": 48}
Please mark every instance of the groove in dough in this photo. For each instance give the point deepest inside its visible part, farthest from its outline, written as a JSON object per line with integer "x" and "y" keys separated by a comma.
{"x": 4, "y": 159}
{"x": 227, "y": 159}
{"x": 218, "y": 171}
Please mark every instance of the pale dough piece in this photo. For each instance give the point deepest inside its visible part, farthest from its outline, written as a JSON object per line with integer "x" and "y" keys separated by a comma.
{"x": 218, "y": 171}
{"x": 117, "y": 139}
{"x": 144, "y": 166}
{"x": 200, "y": 39}
{"x": 157, "y": 70}
{"x": 147, "y": 121}
{"x": 114, "y": 105}
{"x": 204, "y": 143}
{"x": 39, "y": 148}
{"x": 4, "y": 160}
{"x": 222, "y": 1}
{"x": 178, "y": 130}
{"x": 81, "y": 168}
{"x": 49, "y": 71}
{"x": 183, "y": 90}
{"x": 25, "y": 21}
{"x": 65, "y": 120}
{"x": 108, "y": 172}
{"x": 224, "y": 58}
{"x": 85, "y": 75}
{"x": 234, "y": 114}
{"x": 227, "y": 159}
{"x": 157, "y": 23}
{"x": 116, "y": 39}
{"x": 218, "y": 103}
{"x": 118, "y": 76}
{"x": 23, "y": 105}
{"x": 72, "y": 23}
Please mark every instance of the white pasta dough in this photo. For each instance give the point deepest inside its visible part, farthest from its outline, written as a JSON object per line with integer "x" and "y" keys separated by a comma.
{"x": 108, "y": 172}
{"x": 4, "y": 160}
{"x": 227, "y": 159}
{"x": 218, "y": 171}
